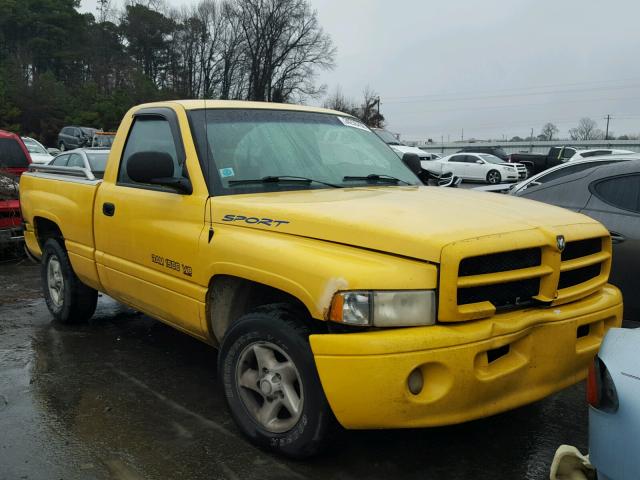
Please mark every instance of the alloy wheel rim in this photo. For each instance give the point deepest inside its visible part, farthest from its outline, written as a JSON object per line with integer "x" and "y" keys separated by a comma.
{"x": 55, "y": 281}
{"x": 493, "y": 177}
{"x": 269, "y": 386}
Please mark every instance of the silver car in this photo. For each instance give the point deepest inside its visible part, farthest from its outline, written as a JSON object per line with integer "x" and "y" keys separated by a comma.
{"x": 613, "y": 392}
{"x": 93, "y": 160}
{"x": 609, "y": 193}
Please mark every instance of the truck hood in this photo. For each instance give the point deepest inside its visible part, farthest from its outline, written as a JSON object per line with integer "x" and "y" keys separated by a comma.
{"x": 415, "y": 222}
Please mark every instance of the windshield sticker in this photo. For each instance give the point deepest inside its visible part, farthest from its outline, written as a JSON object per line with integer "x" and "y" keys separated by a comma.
{"x": 350, "y": 122}
{"x": 227, "y": 172}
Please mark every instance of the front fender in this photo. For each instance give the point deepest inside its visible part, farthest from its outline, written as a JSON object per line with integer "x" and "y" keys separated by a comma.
{"x": 311, "y": 270}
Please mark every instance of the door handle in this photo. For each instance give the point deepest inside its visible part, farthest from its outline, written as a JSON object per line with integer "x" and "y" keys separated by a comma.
{"x": 617, "y": 238}
{"x": 108, "y": 209}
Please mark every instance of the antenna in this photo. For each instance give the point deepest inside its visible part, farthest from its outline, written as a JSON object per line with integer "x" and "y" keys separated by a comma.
{"x": 208, "y": 169}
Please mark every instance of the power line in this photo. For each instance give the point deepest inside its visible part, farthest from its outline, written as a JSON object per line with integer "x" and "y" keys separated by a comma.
{"x": 489, "y": 97}
{"x": 516, "y": 89}
{"x": 422, "y": 111}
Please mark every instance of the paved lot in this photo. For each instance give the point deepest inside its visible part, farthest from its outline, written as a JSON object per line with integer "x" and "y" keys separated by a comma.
{"x": 126, "y": 397}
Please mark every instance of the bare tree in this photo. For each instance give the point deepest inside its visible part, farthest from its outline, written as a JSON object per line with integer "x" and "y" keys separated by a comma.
{"x": 338, "y": 101}
{"x": 284, "y": 46}
{"x": 587, "y": 129}
{"x": 370, "y": 109}
{"x": 549, "y": 131}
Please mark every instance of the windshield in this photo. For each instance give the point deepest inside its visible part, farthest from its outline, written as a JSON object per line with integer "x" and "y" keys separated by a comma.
{"x": 98, "y": 161}
{"x": 387, "y": 137}
{"x": 33, "y": 147}
{"x": 256, "y": 144}
{"x": 490, "y": 158}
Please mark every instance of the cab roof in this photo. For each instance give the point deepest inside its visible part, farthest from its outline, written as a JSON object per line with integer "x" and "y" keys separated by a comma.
{"x": 240, "y": 104}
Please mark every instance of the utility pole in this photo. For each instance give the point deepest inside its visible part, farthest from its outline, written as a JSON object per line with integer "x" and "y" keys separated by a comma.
{"x": 378, "y": 102}
{"x": 606, "y": 135}
{"x": 531, "y": 137}
{"x": 462, "y": 137}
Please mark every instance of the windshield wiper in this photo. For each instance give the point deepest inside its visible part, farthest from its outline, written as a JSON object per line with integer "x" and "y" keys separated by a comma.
{"x": 374, "y": 177}
{"x": 280, "y": 178}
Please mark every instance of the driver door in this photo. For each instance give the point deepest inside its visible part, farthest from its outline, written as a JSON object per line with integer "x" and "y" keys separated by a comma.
{"x": 147, "y": 236}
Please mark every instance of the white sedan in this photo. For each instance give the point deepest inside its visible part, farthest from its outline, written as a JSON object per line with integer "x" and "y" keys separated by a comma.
{"x": 37, "y": 152}
{"x": 477, "y": 167}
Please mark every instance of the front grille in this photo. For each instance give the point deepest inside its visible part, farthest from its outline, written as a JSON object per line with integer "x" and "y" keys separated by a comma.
{"x": 581, "y": 248}
{"x": 502, "y": 295}
{"x": 478, "y": 286}
{"x": 576, "y": 277}
{"x": 500, "y": 262}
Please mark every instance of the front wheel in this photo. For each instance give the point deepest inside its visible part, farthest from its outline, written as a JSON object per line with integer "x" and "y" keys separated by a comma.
{"x": 68, "y": 299}
{"x": 271, "y": 383}
{"x": 494, "y": 177}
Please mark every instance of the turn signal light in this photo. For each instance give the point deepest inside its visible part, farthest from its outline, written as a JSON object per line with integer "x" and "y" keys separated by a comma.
{"x": 601, "y": 391}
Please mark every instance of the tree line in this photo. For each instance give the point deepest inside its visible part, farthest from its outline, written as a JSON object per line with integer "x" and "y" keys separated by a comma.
{"x": 59, "y": 66}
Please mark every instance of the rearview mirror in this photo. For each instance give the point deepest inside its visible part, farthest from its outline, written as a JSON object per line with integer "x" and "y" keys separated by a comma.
{"x": 156, "y": 168}
{"x": 412, "y": 161}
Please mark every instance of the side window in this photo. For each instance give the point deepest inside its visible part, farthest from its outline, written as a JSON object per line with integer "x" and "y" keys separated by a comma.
{"x": 75, "y": 160}
{"x": 563, "y": 172}
{"x": 60, "y": 161}
{"x": 458, "y": 158}
{"x": 568, "y": 152}
{"x": 150, "y": 134}
{"x": 621, "y": 192}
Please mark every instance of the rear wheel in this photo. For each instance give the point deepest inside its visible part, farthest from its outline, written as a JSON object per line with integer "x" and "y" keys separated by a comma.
{"x": 494, "y": 177}
{"x": 62, "y": 147}
{"x": 68, "y": 299}
{"x": 271, "y": 383}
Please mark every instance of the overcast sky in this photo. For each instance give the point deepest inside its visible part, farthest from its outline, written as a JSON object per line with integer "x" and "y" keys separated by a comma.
{"x": 492, "y": 68}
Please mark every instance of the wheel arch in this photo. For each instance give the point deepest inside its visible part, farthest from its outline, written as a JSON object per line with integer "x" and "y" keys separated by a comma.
{"x": 229, "y": 297}
{"x": 45, "y": 229}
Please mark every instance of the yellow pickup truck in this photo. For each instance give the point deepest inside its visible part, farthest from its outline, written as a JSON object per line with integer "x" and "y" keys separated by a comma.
{"x": 334, "y": 284}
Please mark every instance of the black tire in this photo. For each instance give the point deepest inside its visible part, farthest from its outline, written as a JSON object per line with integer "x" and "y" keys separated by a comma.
{"x": 284, "y": 327}
{"x": 75, "y": 302}
{"x": 494, "y": 177}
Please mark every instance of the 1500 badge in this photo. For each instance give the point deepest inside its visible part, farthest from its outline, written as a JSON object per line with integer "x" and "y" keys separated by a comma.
{"x": 172, "y": 265}
{"x": 254, "y": 220}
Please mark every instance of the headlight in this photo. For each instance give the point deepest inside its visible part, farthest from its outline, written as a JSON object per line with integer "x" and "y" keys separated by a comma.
{"x": 405, "y": 308}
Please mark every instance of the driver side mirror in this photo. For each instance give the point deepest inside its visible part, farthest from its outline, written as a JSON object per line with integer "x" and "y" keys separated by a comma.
{"x": 480, "y": 162}
{"x": 412, "y": 161}
{"x": 156, "y": 168}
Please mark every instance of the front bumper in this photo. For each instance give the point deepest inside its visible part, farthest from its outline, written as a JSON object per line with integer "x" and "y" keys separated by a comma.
{"x": 541, "y": 351}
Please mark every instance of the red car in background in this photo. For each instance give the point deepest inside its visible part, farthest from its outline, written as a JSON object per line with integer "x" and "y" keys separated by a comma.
{"x": 14, "y": 160}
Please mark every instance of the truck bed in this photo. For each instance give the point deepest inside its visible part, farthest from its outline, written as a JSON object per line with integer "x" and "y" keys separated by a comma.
{"x": 64, "y": 196}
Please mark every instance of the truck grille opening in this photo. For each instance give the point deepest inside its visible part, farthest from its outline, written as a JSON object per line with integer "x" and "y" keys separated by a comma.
{"x": 502, "y": 295}
{"x": 576, "y": 277}
{"x": 478, "y": 286}
{"x": 500, "y": 262}
{"x": 581, "y": 248}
